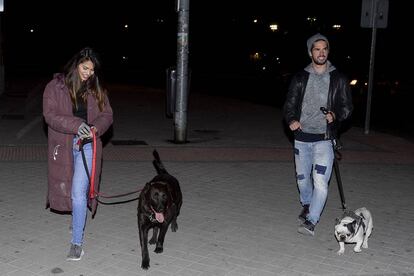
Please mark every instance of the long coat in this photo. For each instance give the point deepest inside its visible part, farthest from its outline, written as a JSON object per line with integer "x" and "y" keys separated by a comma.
{"x": 62, "y": 127}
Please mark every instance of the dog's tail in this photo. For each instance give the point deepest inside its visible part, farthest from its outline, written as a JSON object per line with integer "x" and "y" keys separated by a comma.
{"x": 159, "y": 167}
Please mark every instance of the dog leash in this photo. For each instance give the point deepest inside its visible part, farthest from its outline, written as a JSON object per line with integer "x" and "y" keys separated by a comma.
{"x": 337, "y": 157}
{"x": 91, "y": 177}
{"x": 92, "y": 193}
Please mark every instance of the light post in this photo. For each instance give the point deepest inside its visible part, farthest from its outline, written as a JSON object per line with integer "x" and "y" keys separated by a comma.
{"x": 2, "y": 80}
{"x": 181, "y": 99}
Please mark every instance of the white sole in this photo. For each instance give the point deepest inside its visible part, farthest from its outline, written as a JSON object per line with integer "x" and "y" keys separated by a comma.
{"x": 305, "y": 231}
{"x": 76, "y": 259}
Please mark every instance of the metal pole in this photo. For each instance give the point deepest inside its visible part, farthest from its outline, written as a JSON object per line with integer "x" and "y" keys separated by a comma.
{"x": 371, "y": 66}
{"x": 180, "y": 115}
{"x": 2, "y": 78}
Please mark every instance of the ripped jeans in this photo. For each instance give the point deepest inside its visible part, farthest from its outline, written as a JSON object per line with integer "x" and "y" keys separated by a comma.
{"x": 313, "y": 162}
{"x": 80, "y": 188}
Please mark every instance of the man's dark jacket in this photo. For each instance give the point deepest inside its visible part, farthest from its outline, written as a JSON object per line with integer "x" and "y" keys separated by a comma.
{"x": 339, "y": 99}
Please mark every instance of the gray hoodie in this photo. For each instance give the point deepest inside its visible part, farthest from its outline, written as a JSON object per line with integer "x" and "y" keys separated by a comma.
{"x": 316, "y": 96}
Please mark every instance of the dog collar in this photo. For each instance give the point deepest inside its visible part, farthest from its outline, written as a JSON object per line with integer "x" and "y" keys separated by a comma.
{"x": 151, "y": 217}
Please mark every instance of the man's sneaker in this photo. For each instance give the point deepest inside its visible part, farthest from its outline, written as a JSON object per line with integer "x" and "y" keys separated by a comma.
{"x": 75, "y": 253}
{"x": 307, "y": 228}
{"x": 303, "y": 214}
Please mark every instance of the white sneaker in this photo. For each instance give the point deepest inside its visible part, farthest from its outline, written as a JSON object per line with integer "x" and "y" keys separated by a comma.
{"x": 75, "y": 253}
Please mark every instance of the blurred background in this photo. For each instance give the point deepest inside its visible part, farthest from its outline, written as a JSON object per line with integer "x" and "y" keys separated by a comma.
{"x": 248, "y": 50}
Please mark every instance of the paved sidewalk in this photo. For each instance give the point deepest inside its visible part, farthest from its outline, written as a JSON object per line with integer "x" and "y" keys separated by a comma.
{"x": 240, "y": 199}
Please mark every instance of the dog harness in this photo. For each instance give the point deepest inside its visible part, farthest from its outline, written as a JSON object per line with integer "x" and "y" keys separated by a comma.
{"x": 356, "y": 217}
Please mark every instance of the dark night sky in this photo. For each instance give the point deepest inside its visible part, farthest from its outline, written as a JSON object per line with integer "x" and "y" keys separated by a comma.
{"x": 222, "y": 40}
{"x": 221, "y": 36}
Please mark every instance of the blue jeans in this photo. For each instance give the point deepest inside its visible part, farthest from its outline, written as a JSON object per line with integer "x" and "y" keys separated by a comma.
{"x": 313, "y": 162}
{"x": 80, "y": 188}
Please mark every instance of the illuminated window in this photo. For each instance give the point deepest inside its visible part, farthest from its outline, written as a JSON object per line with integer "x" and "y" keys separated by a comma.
{"x": 274, "y": 27}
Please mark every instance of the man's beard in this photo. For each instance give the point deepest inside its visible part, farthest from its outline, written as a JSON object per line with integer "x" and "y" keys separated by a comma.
{"x": 316, "y": 61}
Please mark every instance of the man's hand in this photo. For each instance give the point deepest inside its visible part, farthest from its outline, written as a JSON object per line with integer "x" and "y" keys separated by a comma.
{"x": 330, "y": 117}
{"x": 295, "y": 125}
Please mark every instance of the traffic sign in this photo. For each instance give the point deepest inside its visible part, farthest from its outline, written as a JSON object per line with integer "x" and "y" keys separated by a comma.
{"x": 374, "y": 9}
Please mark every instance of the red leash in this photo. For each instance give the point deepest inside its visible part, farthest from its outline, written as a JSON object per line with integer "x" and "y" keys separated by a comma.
{"x": 92, "y": 193}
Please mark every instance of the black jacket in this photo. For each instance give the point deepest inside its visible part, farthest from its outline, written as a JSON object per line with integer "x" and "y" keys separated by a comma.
{"x": 339, "y": 99}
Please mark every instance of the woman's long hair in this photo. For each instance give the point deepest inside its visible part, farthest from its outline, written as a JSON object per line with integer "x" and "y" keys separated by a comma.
{"x": 78, "y": 88}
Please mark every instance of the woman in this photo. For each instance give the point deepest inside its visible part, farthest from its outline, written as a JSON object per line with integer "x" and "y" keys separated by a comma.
{"x": 75, "y": 105}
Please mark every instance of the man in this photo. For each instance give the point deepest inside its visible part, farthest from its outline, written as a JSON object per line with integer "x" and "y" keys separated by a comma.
{"x": 318, "y": 85}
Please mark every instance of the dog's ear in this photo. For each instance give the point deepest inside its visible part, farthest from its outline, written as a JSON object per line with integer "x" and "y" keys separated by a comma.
{"x": 147, "y": 186}
{"x": 337, "y": 221}
{"x": 351, "y": 226}
{"x": 146, "y": 192}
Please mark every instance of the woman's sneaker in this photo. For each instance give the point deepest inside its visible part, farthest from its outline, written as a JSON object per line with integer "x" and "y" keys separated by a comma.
{"x": 307, "y": 228}
{"x": 75, "y": 253}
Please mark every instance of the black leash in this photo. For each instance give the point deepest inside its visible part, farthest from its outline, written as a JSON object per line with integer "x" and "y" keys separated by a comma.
{"x": 81, "y": 144}
{"x": 337, "y": 156}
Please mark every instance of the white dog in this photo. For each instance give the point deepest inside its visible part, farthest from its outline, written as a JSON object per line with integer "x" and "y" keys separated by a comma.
{"x": 354, "y": 227}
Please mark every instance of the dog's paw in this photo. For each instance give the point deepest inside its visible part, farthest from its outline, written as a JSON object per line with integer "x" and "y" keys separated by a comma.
{"x": 145, "y": 264}
{"x": 152, "y": 241}
{"x": 159, "y": 249}
{"x": 365, "y": 245}
{"x": 174, "y": 227}
{"x": 340, "y": 252}
{"x": 357, "y": 249}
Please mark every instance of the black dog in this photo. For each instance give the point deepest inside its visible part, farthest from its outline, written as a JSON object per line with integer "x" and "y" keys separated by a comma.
{"x": 159, "y": 206}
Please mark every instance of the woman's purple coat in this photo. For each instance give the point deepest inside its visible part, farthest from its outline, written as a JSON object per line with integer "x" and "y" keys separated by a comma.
{"x": 62, "y": 126}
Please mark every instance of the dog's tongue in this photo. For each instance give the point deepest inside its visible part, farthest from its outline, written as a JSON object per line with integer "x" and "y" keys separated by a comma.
{"x": 159, "y": 217}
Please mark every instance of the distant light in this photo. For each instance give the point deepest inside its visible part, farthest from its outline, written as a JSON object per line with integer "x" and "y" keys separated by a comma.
{"x": 311, "y": 19}
{"x": 264, "y": 68}
{"x": 277, "y": 59}
{"x": 126, "y": 26}
{"x": 255, "y": 20}
{"x": 31, "y": 30}
{"x": 353, "y": 82}
{"x": 124, "y": 58}
{"x": 274, "y": 27}
{"x": 256, "y": 56}
{"x": 336, "y": 26}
